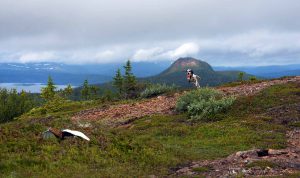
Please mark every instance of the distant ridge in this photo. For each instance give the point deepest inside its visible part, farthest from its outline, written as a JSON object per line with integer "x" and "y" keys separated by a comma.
{"x": 272, "y": 71}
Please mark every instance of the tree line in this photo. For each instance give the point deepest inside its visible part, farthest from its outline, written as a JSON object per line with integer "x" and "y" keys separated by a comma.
{"x": 13, "y": 104}
{"x": 125, "y": 87}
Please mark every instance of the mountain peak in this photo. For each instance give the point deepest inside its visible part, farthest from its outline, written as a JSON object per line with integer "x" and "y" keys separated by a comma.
{"x": 184, "y": 63}
{"x": 187, "y": 62}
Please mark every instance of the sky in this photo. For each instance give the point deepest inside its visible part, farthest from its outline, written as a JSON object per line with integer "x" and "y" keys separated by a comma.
{"x": 220, "y": 32}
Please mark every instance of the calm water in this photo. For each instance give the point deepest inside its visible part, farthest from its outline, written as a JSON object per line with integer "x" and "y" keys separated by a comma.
{"x": 29, "y": 87}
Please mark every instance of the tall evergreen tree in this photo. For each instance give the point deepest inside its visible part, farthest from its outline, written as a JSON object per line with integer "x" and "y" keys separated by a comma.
{"x": 94, "y": 91}
{"x": 13, "y": 102}
{"x": 129, "y": 82}
{"x": 48, "y": 92}
{"x": 241, "y": 76}
{"x": 67, "y": 92}
{"x": 26, "y": 102}
{"x": 118, "y": 81}
{"x": 85, "y": 92}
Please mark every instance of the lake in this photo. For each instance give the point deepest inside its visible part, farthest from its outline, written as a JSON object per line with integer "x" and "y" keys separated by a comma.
{"x": 28, "y": 87}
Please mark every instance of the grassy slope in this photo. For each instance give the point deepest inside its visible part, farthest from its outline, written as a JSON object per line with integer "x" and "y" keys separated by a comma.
{"x": 153, "y": 145}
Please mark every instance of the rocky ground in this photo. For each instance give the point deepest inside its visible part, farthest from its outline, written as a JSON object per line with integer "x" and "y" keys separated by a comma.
{"x": 125, "y": 113}
{"x": 250, "y": 163}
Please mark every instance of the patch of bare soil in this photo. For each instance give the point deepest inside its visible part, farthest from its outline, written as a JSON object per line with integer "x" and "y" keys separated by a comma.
{"x": 124, "y": 113}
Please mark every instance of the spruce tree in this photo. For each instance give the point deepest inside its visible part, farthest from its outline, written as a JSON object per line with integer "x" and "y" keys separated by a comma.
{"x": 85, "y": 92}
{"x": 94, "y": 91}
{"x": 129, "y": 83}
{"x": 48, "y": 92}
{"x": 118, "y": 81}
{"x": 241, "y": 76}
{"x": 67, "y": 92}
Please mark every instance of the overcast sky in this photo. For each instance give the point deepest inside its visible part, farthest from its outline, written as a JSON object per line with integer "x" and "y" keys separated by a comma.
{"x": 221, "y": 32}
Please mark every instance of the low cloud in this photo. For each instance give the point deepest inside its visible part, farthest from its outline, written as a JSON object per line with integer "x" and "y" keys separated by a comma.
{"x": 260, "y": 47}
{"x": 188, "y": 49}
{"x": 161, "y": 53}
{"x": 227, "y": 32}
{"x": 148, "y": 54}
{"x": 251, "y": 48}
{"x": 37, "y": 57}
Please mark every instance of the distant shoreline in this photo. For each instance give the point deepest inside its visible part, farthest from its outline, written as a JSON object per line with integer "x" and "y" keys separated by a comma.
{"x": 29, "y": 87}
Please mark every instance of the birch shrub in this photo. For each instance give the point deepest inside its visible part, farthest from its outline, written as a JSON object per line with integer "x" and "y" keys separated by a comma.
{"x": 204, "y": 104}
{"x": 157, "y": 89}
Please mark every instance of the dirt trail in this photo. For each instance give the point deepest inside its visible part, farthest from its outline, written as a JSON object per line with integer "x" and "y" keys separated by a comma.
{"x": 124, "y": 113}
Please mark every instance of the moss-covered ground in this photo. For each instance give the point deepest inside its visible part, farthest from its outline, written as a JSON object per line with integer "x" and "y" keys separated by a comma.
{"x": 152, "y": 145}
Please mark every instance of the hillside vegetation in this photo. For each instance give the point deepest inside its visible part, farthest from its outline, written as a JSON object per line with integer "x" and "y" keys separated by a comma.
{"x": 152, "y": 144}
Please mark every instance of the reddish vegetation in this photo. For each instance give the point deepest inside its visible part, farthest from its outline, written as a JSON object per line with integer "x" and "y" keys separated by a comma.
{"x": 119, "y": 114}
{"x": 252, "y": 89}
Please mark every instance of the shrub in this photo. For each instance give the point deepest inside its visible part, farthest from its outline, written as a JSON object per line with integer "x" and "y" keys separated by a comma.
{"x": 241, "y": 76}
{"x": 195, "y": 96}
{"x": 203, "y": 104}
{"x": 157, "y": 89}
{"x": 252, "y": 78}
{"x": 56, "y": 104}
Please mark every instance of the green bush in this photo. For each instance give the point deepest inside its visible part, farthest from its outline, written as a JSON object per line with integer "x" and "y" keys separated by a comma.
{"x": 195, "y": 96}
{"x": 203, "y": 104}
{"x": 157, "y": 89}
{"x": 253, "y": 78}
{"x": 56, "y": 104}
